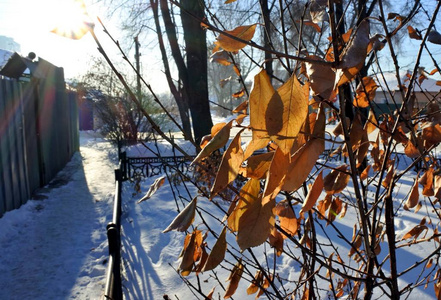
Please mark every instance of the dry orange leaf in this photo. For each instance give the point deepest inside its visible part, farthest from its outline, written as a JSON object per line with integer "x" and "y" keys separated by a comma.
{"x": 276, "y": 175}
{"x": 259, "y": 98}
{"x": 218, "y": 141}
{"x": 336, "y": 180}
{"x": 234, "y": 278}
{"x": 313, "y": 193}
{"x": 427, "y": 182}
{"x": 221, "y": 57}
{"x": 431, "y": 134}
{"x": 411, "y": 151}
{"x": 437, "y": 186}
{"x": 239, "y": 94}
{"x": 389, "y": 175}
{"x": 258, "y": 165}
{"x": 276, "y": 240}
{"x": 229, "y": 166}
{"x": 286, "y": 112}
{"x": 184, "y": 219}
{"x": 302, "y": 163}
{"x": 249, "y": 193}
{"x": 217, "y": 253}
{"x": 365, "y": 92}
{"x": 287, "y": 218}
{"x": 415, "y": 232}
{"x": 414, "y": 196}
{"x": 241, "y": 107}
{"x": 191, "y": 251}
{"x": 255, "y": 283}
{"x": 244, "y": 33}
{"x": 255, "y": 223}
{"x": 413, "y": 34}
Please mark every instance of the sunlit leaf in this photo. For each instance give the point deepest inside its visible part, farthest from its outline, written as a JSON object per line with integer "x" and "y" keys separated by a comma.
{"x": 255, "y": 223}
{"x": 221, "y": 57}
{"x": 286, "y": 112}
{"x": 239, "y": 94}
{"x": 229, "y": 166}
{"x": 244, "y": 33}
{"x": 258, "y": 165}
{"x": 184, "y": 219}
{"x": 410, "y": 150}
{"x": 427, "y": 182}
{"x": 248, "y": 193}
{"x": 276, "y": 175}
{"x": 276, "y": 240}
{"x": 259, "y": 98}
{"x": 321, "y": 78}
{"x": 413, "y": 198}
{"x": 217, "y": 253}
{"x": 431, "y": 134}
{"x": 437, "y": 186}
{"x": 415, "y": 232}
{"x": 234, "y": 278}
{"x": 153, "y": 188}
{"x": 389, "y": 176}
{"x": 218, "y": 141}
{"x": 255, "y": 283}
{"x": 313, "y": 193}
{"x": 365, "y": 92}
{"x": 241, "y": 107}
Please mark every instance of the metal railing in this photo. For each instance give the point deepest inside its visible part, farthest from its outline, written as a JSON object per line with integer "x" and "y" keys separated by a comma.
{"x": 113, "y": 289}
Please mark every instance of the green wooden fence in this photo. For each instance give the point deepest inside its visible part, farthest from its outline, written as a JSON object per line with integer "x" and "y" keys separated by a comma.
{"x": 38, "y": 133}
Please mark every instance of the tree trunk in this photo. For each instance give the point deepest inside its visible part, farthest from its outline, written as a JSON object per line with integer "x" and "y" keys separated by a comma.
{"x": 197, "y": 72}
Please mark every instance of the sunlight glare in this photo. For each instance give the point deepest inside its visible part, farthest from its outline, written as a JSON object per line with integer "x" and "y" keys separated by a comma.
{"x": 72, "y": 19}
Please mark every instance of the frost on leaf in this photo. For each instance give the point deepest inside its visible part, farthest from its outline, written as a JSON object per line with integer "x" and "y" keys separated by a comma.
{"x": 244, "y": 33}
{"x": 184, "y": 219}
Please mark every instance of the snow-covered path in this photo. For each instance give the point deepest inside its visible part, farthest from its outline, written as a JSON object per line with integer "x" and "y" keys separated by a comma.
{"x": 56, "y": 248}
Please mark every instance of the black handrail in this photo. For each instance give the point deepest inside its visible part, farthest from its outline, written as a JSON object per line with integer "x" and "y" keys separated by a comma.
{"x": 113, "y": 288}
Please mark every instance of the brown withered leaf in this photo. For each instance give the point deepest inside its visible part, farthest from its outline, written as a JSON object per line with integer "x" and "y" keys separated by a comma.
{"x": 389, "y": 176}
{"x": 241, "y": 107}
{"x": 229, "y": 1}
{"x": 377, "y": 43}
{"x": 287, "y": 218}
{"x": 217, "y": 253}
{"x": 364, "y": 175}
{"x": 249, "y": 193}
{"x": 321, "y": 77}
{"x": 437, "y": 186}
{"x": 255, "y": 223}
{"x": 221, "y": 57}
{"x": 336, "y": 180}
{"x": 255, "y": 283}
{"x": 234, "y": 278}
{"x": 244, "y": 33}
{"x": 354, "y": 55}
{"x": 414, "y": 196}
{"x": 191, "y": 252}
{"x": 410, "y": 150}
{"x": 313, "y": 193}
{"x": 431, "y": 134}
{"x": 258, "y": 165}
{"x": 427, "y": 182}
{"x": 239, "y": 94}
{"x": 365, "y": 92}
{"x": 218, "y": 141}
{"x": 415, "y": 232}
{"x": 334, "y": 210}
{"x": 312, "y": 24}
{"x": 371, "y": 123}
{"x": 276, "y": 241}
{"x": 230, "y": 165}
{"x": 240, "y": 118}
{"x": 153, "y": 188}
{"x": 276, "y": 175}
{"x": 302, "y": 163}
{"x": 413, "y": 34}
{"x": 260, "y": 96}
{"x": 184, "y": 219}
{"x": 286, "y": 112}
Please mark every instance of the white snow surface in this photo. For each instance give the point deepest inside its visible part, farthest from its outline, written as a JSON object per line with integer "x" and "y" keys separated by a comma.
{"x": 56, "y": 248}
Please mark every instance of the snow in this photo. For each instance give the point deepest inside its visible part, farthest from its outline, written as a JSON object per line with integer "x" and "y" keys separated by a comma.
{"x": 55, "y": 246}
